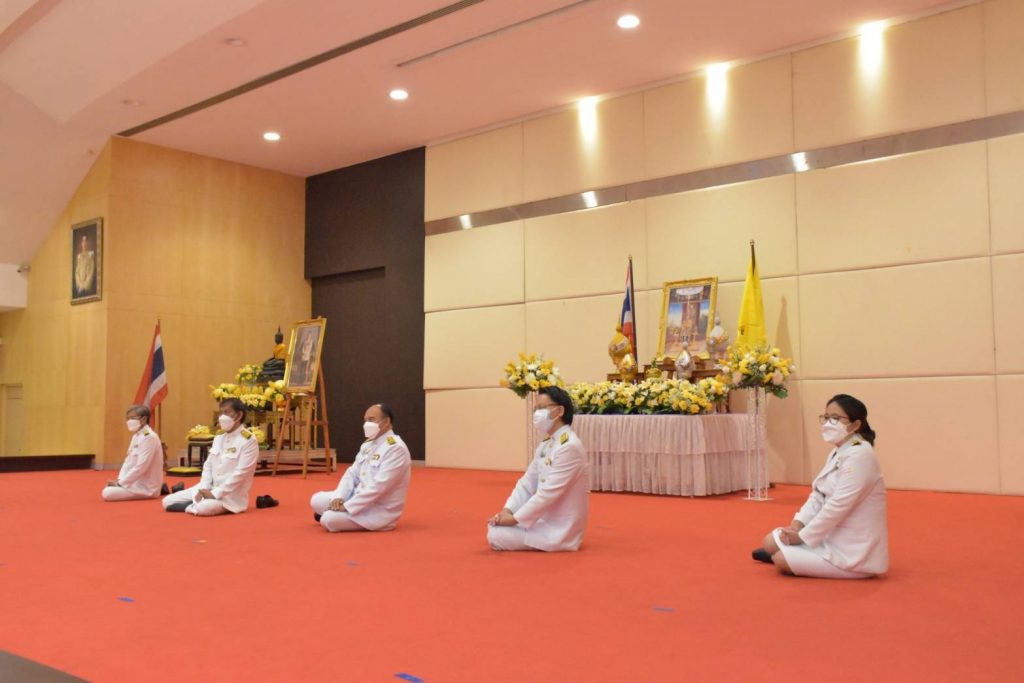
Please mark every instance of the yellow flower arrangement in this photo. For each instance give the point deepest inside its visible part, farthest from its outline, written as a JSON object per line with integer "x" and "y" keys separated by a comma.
{"x": 746, "y": 367}
{"x": 200, "y": 432}
{"x": 650, "y": 397}
{"x": 531, "y": 373}
{"x": 248, "y": 374}
{"x": 225, "y": 390}
{"x": 261, "y": 436}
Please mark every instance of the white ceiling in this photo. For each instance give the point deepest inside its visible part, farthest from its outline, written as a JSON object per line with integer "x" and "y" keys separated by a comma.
{"x": 67, "y": 66}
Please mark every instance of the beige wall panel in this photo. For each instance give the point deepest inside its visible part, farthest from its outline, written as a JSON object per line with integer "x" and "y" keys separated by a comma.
{"x": 585, "y": 252}
{"x": 1010, "y": 390}
{"x": 931, "y": 319}
{"x": 920, "y": 445}
{"x": 575, "y": 334}
{"x": 480, "y": 172}
{"x": 469, "y": 348}
{"x": 918, "y": 207}
{"x": 1004, "y": 55}
{"x": 1007, "y": 289}
{"x": 930, "y": 72}
{"x": 476, "y": 429}
{"x": 1005, "y": 170}
{"x": 781, "y": 298}
{"x": 694, "y": 234}
{"x": 560, "y": 157}
{"x": 478, "y": 267}
{"x": 684, "y": 131}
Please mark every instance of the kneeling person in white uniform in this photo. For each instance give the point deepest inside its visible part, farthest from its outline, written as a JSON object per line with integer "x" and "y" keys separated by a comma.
{"x": 227, "y": 472}
{"x": 143, "y": 469}
{"x": 548, "y": 507}
{"x": 841, "y": 531}
{"x": 371, "y": 494}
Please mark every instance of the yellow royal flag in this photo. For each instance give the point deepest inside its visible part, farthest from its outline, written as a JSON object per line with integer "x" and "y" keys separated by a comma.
{"x": 750, "y": 326}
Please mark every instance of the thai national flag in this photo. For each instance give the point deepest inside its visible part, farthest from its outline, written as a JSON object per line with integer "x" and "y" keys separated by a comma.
{"x": 626, "y": 320}
{"x": 153, "y": 387}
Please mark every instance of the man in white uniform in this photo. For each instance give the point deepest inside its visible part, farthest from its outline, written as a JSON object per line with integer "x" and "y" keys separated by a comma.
{"x": 371, "y": 494}
{"x": 548, "y": 507}
{"x": 227, "y": 472}
{"x": 143, "y": 469}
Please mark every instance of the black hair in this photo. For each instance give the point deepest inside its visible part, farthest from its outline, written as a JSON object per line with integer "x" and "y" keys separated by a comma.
{"x": 236, "y": 405}
{"x": 388, "y": 413}
{"x": 140, "y": 410}
{"x": 855, "y": 410}
{"x": 562, "y": 398}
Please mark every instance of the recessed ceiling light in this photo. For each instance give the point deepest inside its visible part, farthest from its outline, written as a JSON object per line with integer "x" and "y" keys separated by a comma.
{"x": 399, "y": 94}
{"x": 234, "y": 42}
{"x": 628, "y": 21}
{"x": 271, "y": 136}
{"x": 131, "y": 103}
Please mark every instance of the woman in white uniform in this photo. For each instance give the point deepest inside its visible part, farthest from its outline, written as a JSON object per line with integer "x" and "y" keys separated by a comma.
{"x": 841, "y": 531}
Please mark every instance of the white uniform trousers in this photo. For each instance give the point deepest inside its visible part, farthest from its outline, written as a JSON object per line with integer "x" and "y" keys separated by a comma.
{"x": 112, "y": 494}
{"x": 804, "y": 561}
{"x": 507, "y": 538}
{"x": 331, "y": 520}
{"x": 207, "y": 507}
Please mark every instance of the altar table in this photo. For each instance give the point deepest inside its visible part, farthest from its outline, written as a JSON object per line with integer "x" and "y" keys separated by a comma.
{"x": 676, "y": 455}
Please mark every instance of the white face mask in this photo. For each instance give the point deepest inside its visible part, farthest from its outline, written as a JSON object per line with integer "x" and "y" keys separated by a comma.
{"x": 226, "y": 423}
{"x": 834, "y": 433}
{"x": 371, "y": 429}
{"x": 133, "y": 424}
{"x": 542, "y": 420}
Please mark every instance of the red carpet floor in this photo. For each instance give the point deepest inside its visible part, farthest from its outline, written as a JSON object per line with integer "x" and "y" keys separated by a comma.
{"x": 663, "y": 590}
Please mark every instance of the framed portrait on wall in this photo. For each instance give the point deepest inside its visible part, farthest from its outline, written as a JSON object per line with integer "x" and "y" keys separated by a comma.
{"x": 87, "y": 261}
{"x": 302, "y": 365}
{"x": 687, "y": 309}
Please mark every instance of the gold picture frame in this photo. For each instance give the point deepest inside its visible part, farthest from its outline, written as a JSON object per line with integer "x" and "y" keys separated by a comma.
{"x": 87, "y": 261}
{"x": 302, "y": 365}
{"x": 687, "y": 312}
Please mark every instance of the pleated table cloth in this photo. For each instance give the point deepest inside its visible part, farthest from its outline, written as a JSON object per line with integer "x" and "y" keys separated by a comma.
{"x": 676, "y": 455}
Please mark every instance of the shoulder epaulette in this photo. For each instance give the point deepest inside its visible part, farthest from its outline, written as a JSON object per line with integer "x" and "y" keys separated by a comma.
{"x": 246, "y": 433}
{"x": 565, "y": 437}
{"x": 146, "y": 432}
{"x": 391, "y": 441}
{"x": 857, "y": 443}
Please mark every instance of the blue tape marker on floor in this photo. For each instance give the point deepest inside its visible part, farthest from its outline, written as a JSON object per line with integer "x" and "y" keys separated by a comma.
{"x": 664, "y": 609}
{"x": 124, "y": 599}
{"x": 410, "y": 678}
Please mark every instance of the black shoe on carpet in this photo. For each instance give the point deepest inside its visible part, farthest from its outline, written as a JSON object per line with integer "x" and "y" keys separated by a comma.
{"x": 180, "y": 506}
{"x": 316, "y": 517}
{"x": 266, "y": 502}
{"x": 761, "y": 555}
{"x": 180, "y": 486}
{"x": 164, "y": 491}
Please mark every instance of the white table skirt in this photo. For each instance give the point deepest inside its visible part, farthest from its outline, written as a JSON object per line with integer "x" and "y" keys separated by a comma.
{"x": 676, "y": 455}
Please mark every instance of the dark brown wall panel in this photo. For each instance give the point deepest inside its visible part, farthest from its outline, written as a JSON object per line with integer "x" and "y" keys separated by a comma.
{"x": 364, "y": 255}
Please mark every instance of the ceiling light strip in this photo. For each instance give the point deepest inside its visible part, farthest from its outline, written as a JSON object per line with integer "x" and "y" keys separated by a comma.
{"x": 921, "y": 140}
{"x": 304, "y": 65}
{"x": 494, "y": 33}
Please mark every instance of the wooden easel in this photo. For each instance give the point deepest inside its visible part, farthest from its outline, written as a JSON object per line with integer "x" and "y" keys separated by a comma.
{"x": 305, "y": 412}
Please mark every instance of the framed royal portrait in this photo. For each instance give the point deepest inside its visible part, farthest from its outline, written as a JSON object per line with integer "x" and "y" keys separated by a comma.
{"x": 87, "y": 261}
{"x": 687, "y": 311}
{"x": 302, "y": 365}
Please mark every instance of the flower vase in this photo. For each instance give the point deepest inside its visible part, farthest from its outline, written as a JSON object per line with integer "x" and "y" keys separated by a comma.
{"x": 532, "y": 437}
{"x": 757, "y": 444}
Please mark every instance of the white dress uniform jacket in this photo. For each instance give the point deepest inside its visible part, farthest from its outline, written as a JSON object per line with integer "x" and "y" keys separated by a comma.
{"x": 143, "y": 468}
{"x": 550, "y": 500}
{"x": 375, "y": 485}
{"x": 229, "y": 469}
{"x": 845, "y": 516}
